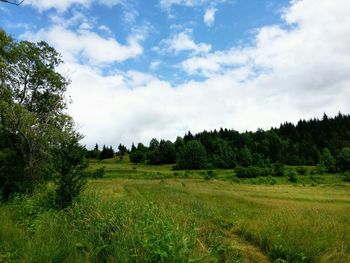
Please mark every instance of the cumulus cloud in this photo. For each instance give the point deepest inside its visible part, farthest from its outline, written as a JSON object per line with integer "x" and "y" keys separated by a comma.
{"x": 209, "y": 16}
{"x": 88, "y": 45}
{"x": 296, "y": 70}
{"x": 183, "y": 41}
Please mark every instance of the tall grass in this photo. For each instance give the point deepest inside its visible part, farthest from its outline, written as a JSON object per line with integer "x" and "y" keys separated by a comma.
{"x": 180, "y": 220}
{"x": 94, "y": 229}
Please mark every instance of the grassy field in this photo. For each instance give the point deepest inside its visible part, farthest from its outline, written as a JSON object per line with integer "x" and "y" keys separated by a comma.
{"x": 153, "y": 214}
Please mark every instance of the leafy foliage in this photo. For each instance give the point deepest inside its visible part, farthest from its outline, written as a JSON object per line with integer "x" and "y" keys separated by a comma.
{"x": 312, "y": 142}
{"x": 192, "y": 156}
{"x": 36, "y": 134}
{"x": 278, "y": 169}
{"x": 106, "y": 153}
{"x": 343, "y": 159}
{"x": 252, "y": 172}
{"x": 69, "y": 164}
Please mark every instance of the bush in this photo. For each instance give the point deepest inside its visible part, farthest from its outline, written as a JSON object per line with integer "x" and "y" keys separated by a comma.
{"x": 346, "y": 177}
{"x": 251, "y": 172}
{"x": 301, "y": 170}
{"x": 137, "y": 157}
{"x": 278, "y": 169}
{"x": 209, "y": 175}
{"x": 98, "y": 173}
{"x": 292, "y": 177}
{"x": 71, "y": 178}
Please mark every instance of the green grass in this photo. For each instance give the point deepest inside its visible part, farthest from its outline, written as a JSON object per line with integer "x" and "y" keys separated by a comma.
{"x": 117, "y": 168}
{"x": 162, "y": 217}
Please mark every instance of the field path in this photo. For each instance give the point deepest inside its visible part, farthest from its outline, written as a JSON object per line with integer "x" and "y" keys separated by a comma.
{"x": 251, "y": 253}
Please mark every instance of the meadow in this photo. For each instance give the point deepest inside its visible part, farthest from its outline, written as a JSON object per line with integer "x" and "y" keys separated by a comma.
{"x": 141, "y": 213}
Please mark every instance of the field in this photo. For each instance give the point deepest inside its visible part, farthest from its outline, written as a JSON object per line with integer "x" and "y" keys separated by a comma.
{"x": 153, "y": 214}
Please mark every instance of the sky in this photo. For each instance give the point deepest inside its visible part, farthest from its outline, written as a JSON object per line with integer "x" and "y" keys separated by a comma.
{"x": 160, "y": 68}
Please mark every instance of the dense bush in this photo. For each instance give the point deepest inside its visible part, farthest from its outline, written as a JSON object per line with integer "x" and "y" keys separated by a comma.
{"x": 106, "y": 153}
{"x": 346, "y": 177}
{"x": 209, "y": 175}
{"x": 98, "y": 173}
{"x": 137, "y": 156}
{"x": 70, "y": 178}
{"x": 343, "y": 159}
{"x": 252, "y": 172}
{"x": 301, "y": 170}
{"x": 278, "y": 169}
{"x": 292, "y": 177}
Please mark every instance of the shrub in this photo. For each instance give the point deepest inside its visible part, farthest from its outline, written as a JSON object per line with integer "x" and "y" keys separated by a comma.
{"x": 278, "y": 169}
{"x": 346, "y": 177}
{"x": 71, "y": 178}
{"x": 292, "y": 177}
{"x": 137, "y": 156}
{"x": 98, "y": 173}
{"x": 235, "y": 179}
{"x": 252, "y": 172}
{"x": 343, "y": 159}
{"x": 301, "y": 170}
{"x": 209, "y": 175}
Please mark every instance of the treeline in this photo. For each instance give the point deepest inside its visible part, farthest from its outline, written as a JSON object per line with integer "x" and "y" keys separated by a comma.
{"x": 324, "y": 142}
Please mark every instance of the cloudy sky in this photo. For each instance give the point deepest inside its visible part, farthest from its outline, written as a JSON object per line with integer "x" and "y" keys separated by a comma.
{"x": 158, "y": 68}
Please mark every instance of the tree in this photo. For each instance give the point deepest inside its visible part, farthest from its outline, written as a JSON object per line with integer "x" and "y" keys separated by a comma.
{"x": 245, "y": 158}
{"x": 278, "y": 169}
{"x": 69, "y": 165}
{"x": 106, "y": 153}
{"x": 179, "y": 142}
{"x": 95, "y": 153}
{"x": 33, "y": 122}
{"x": 192, "y": 156}
{"x": 343, "y": 159}
{"x": 122, "y": 150}
{"x": 328, "y": 161}
{"x": 137, "y": 156}
{"x": 153, "y": 145}
{"x": 167, "y": 152}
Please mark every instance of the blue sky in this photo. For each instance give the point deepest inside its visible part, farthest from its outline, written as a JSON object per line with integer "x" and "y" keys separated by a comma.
{"x": 158, "y": 68}
{"x": 233, "y": 24}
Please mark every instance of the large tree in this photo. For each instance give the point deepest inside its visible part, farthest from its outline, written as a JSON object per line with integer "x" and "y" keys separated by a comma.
{"x": 33, "y": 122}
{"x": 192, "y": 156}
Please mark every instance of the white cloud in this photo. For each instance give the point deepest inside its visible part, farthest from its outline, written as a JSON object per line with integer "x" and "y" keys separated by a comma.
{"x": 88, "y": 45}
{"x": 155, "y": 64}
{"x": 63, "y": 5}
{"x": 209, "y": 16}
{"x": 183, "y": 42}
{"x": 216, "y": 63}
{"x": 129, "y": 16}
{"x": 286, "y": 75}
{"x": 166, "y": 4}
{"x": 298, "y": 70}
